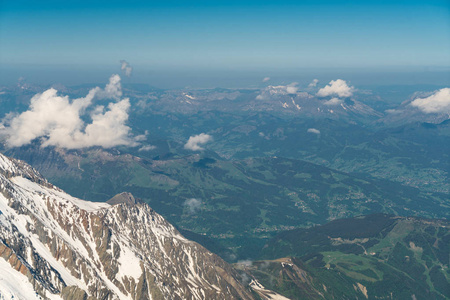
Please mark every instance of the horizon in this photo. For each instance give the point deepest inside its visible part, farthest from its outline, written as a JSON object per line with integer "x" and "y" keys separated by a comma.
{"x": 203, "y": 39}
{"x": 182, "y": 78}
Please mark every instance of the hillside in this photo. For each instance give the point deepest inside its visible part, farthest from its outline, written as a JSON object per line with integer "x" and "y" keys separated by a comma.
{"x": 237, "y": 205}
{"x": 376, "y": 257}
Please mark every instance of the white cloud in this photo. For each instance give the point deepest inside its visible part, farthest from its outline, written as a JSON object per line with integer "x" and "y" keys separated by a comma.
{"x": 274, "y": 90}
{"x": 113, "y": 89}
{"x": 333, "y": 101}
{"x": 336, "y": 87}
{"x": 247, "y": 262}
{"x": 313, "y": 83}
{"x": 196, "y": 140}
{"x": 393, "y": 111}
{"x": 193, "y": 205}
{"x": 126, "y": 68}
{"x": 292, "y": 88}
{"x": 313, "y": 130}
{"x": 57, "y": 120}
{"x": 107, "y": 129}
{"x": 265, "y": 79}
{"x": 147, "y": 148}
{"x": 439, "y": 102}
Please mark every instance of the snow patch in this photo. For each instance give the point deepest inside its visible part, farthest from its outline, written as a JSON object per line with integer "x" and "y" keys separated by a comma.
{"x": 130, "y": 264}
{"x": 265, "y": 293}
{"x": 15, "y": 285}
{"x": 34, "y": 187}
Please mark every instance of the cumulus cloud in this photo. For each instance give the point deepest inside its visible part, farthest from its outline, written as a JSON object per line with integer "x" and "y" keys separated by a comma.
{"x": 196, "y": 140}
{"x": 126, "y": 68}
{"x": 273, "y": 90}
{"x": 57, "y": 121}
{"x": 336, "y": 87}
{"x": 313, "y": 83}
{"x": 265, "y": 79}
{"x": 333, "y": 102}
{"x": 193, "y": 205}
{"x": 147, "y": 148}
{"x": 292, "y": 88}
{"x": 113, "y": 90}
{"x": 439, "y": 102}
{"x": 313, "y": 130}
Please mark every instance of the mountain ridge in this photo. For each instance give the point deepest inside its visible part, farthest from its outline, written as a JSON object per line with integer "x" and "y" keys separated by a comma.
{"x": 73, "y": 249}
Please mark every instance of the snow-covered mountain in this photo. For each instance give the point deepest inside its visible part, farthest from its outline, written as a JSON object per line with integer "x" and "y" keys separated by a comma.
{"x": 54, "y": 246}
{"x": 273, "y": 99}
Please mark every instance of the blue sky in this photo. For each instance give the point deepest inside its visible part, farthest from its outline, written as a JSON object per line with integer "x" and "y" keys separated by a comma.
{"x": 226, "y": 34}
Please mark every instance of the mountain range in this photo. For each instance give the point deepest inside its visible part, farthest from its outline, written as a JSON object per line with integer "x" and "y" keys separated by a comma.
{"x": 288, "y": 193}
{"x": 56, "y": 246}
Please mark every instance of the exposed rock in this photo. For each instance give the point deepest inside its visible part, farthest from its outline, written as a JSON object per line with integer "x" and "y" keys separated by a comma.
{"x": 124, "y": 197}
{"x": 74, "y": 249}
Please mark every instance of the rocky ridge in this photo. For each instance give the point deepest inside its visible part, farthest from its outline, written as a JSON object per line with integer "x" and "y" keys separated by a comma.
{"x": 60, "y": 247}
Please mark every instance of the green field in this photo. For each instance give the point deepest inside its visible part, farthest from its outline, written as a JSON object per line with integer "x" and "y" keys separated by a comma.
{"x": 380, "y": 256}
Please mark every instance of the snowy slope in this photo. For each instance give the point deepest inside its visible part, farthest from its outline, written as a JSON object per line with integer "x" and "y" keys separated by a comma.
{"x": 57, "y": 246}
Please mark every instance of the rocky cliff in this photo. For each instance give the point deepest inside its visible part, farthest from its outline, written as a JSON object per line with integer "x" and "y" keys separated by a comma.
{"x": 55, "y": 246}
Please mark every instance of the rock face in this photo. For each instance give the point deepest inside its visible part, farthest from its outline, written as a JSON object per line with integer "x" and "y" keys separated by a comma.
{"x": 124, "y": 197}
{"x": 55, "y": 246}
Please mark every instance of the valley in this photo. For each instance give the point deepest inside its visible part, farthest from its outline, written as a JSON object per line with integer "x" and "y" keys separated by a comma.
{"x": 276, "y": 172}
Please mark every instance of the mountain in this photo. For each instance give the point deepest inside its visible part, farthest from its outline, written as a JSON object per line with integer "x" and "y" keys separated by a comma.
{"x": 375, "y": 257}
{"x": 406, "y": 112}
{"x": 238, "y": 204}
{"x": 345, "y": 134}
{"x": 55, "y": 246}
{"x": 412, "y": 153}
{"x": 273, "y": 98}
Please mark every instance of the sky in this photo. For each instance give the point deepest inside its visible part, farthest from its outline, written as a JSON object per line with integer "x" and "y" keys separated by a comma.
{"x": 224, "y": 35}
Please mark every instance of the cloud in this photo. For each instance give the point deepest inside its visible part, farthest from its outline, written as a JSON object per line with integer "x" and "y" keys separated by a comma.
{"x": 126, "y": 68}
{"x": 274, "y": 90}
{"x": 292, "y": 88}
{"x": 113, "y": 90}
{"x": 439, "y": 102}
{"x": 313, "y": 83}
{"x": 57, "y": 121}
{"x": 245, "y": 279}
{"x": 333, "y": 101}
{"x": 193, "y": 205}
{"x": 393, "y": 111}
{"x": 196, "y": 140}
{"x": 246, "y": 262}
{"x": 265, "y": 79}
{"x": 147, "y": 148}
{"x": 313, "y": 130}
{"x": 336, "y": 87}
